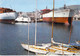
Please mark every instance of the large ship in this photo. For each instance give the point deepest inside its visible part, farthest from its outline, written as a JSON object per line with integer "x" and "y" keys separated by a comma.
{"x": 7, "y": 15}
{"x": 60, "y": 16}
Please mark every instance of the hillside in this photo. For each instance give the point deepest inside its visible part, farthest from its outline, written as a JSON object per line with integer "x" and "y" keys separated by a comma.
{"x": 74, "y": 7}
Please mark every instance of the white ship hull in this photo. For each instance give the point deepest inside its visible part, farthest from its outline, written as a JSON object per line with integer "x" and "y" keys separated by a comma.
{"x": 60, "y": 16}
{"x": 8, "y": 17}
{"x": 23, "y": 19}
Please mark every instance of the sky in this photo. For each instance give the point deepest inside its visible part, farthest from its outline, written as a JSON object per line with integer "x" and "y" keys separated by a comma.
{"x": 30, "y": 5}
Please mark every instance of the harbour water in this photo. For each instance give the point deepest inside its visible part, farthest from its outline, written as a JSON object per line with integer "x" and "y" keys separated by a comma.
{"x": 12, "y": 35}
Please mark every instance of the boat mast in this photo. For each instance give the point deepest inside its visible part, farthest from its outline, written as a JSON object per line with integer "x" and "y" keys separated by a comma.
{"x": 36, "y": 23}
{"x": 52, "y": 25}
{"x": 70, "y": 31}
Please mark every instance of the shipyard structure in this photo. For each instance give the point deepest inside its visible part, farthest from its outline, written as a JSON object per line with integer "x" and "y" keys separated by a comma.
{"x": 62, "y": 15}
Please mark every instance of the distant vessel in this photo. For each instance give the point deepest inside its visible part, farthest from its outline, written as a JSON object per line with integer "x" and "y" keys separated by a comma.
{"x": 7, "y": 15}
{"x": 60, "y": 16}
{"x": 23, "y": 19}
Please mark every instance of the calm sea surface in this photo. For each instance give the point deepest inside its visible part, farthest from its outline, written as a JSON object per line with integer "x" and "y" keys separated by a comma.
{"x": 12, "y": 35}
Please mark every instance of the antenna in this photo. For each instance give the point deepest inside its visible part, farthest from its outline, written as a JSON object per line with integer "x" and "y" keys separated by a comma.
{"x": 64, "y": 5}
{"x": 46, "y": 7}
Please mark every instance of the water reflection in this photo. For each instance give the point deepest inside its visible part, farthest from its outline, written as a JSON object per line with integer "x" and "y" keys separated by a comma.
{"x": 11, "y": 36}
{"x": 61, "y": 32}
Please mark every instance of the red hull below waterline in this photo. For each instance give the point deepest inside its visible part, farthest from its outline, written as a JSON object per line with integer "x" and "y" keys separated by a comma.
{"x": 58, "y": 19}
{"x": 7, "y": 20}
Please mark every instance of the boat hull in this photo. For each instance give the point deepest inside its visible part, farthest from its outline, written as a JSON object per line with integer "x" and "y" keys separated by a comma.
{"x": 23, "y": 19}
{"x": 55, "y": 49}
{"x": 7, "y": 20}
{"x": 60, "y": 16}
{"x": 58, "y": 19}
{"x": 8, "y": 17}
{"x": 32, "y": 48}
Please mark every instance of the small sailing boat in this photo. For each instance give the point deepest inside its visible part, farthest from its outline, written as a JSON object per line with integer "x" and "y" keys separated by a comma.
{"x": 57, "y": 48}
{"x": 53, "y": 48}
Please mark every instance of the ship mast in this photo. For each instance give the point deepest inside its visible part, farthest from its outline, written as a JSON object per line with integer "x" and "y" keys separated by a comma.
{"x": 64, "y": 5}
{"x": 36, "y": 23}
{"x": 52, "y": 25}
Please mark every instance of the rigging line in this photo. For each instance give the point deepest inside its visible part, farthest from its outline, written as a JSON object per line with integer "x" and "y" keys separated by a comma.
{"x": 28, "y": 36}
{"x": 52, "y": 24}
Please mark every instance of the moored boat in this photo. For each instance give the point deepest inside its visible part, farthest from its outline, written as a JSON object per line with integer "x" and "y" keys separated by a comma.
{"x": 56, "y": 49}
{"x": 7, "y": 15}
{"x": 23, "y": 19}
{"x": 60, "y": 16}
{"x": 35, "y": 49}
